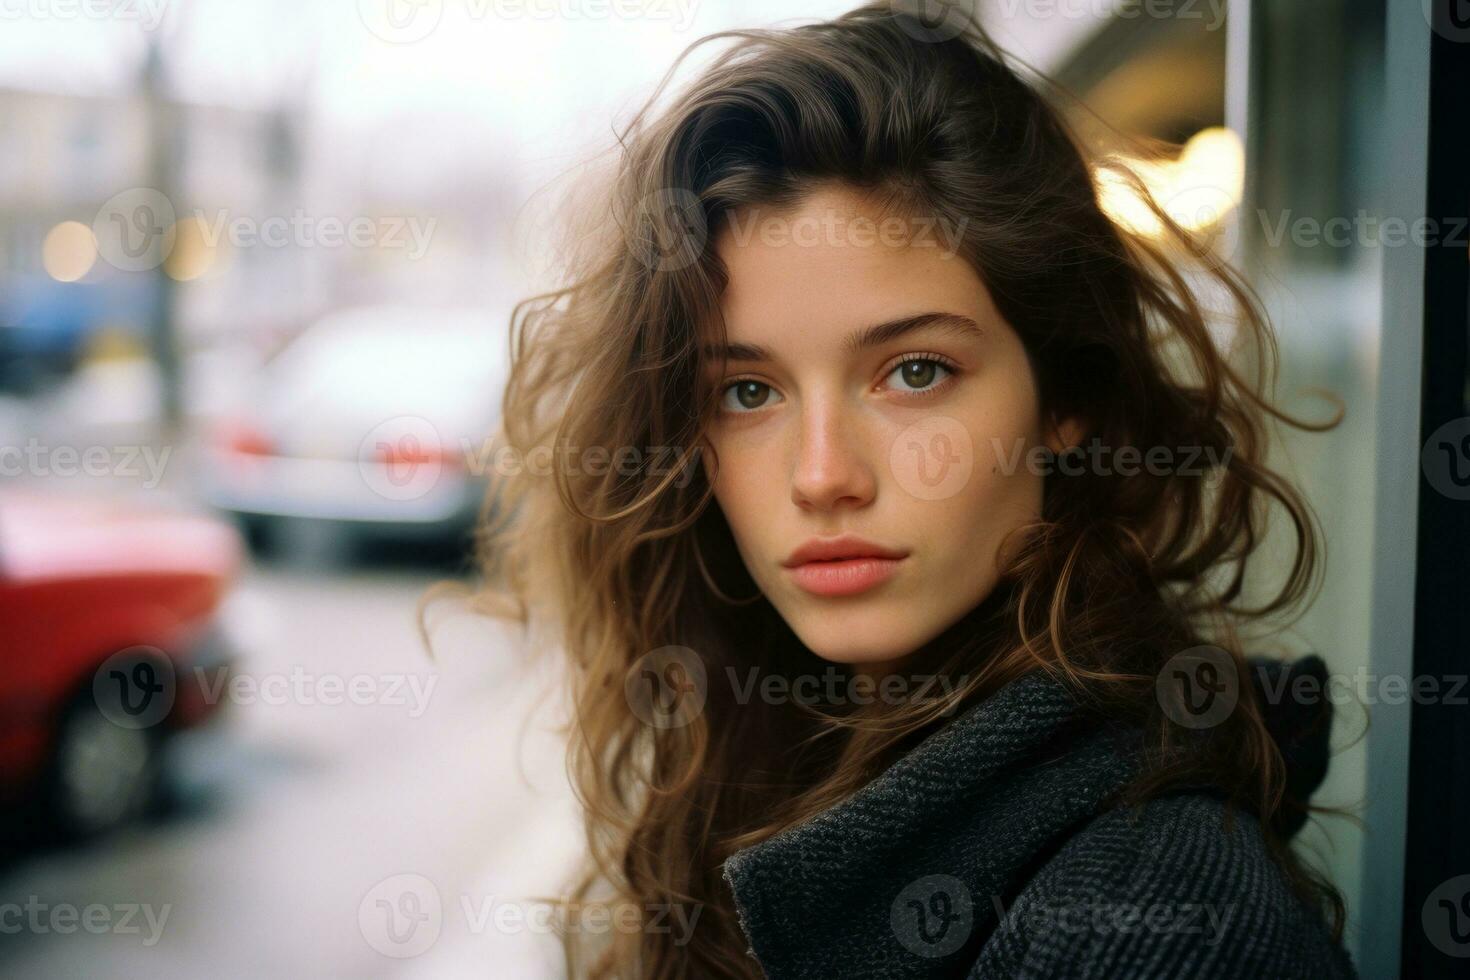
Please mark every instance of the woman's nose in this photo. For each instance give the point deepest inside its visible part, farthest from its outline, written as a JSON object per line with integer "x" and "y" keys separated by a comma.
{"x": 831, "y": 469}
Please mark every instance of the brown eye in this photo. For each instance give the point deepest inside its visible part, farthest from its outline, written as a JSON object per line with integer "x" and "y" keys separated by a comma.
{"x": 746, "y": 396}
{"x": 919, "y": 373}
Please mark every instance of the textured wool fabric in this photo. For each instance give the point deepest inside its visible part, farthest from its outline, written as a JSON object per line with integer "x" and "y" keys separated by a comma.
{"x": 991, "y": 850}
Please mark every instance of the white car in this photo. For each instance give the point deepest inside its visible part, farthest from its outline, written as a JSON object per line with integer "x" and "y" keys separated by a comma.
{"x": 374, "y": 421}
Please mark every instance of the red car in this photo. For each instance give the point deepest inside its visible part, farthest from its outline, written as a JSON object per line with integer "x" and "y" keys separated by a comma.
{"x": 106, "y": 622}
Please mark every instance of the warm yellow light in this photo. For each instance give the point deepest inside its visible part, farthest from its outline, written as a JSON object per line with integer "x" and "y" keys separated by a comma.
{"x": 193, "y": 254}
{"x": 1121, "y": 201}
{"x": 69, "y": 251}
{"x": 1197, "y": 190}
{"x": 114, "y": 342}
{"x": 1216, "y": 156}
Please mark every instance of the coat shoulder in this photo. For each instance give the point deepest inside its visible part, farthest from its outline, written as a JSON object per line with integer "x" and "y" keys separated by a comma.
{"x": 1181, "y": 886}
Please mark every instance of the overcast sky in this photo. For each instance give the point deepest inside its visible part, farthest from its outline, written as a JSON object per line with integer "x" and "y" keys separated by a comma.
{"x": 347, "y": 58}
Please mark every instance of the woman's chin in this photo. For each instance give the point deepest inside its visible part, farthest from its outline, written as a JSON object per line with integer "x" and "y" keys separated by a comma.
{"x": 838, "y": 644}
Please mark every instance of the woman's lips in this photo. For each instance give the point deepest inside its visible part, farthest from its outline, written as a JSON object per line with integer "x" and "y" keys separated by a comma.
{"x": 848, "y": 576}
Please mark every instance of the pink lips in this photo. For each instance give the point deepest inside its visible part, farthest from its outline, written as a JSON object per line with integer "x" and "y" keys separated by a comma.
{"x": 841, "y": 566}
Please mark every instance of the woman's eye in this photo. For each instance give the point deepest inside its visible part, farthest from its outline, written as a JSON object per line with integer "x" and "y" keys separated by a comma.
{"x": 919, "y": 374}
{"x": 747, "y": 396}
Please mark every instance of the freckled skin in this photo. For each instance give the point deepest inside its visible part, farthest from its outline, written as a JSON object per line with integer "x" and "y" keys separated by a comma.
{"x": 812, "y": 454}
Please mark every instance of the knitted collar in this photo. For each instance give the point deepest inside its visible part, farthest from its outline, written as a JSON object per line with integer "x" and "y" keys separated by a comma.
{"x": 903, "y": 878}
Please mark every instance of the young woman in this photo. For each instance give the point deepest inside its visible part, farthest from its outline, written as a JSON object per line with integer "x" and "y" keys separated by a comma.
{"x": 893, "y": 511}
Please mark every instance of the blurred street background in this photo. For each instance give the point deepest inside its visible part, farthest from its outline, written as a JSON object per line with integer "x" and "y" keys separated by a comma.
{"x": 285, "y": 814}
{"x": 257, "y": 264}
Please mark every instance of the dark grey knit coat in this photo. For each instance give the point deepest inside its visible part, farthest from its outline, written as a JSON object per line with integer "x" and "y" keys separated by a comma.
{"x": 990, "y": 851}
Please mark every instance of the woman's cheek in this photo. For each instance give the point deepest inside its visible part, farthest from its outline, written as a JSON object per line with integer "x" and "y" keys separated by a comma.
{"x": 737, "y": 488}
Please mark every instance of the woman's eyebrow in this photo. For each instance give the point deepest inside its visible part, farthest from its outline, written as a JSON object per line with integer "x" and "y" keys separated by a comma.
{"x": 872, "y": 336}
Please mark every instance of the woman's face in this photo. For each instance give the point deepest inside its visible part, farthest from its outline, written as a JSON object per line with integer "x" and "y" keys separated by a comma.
{"x": 872, "y": 390}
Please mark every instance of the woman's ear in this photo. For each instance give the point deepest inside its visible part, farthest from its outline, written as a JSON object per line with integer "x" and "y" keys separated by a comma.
{"x": 1063, "y": 434}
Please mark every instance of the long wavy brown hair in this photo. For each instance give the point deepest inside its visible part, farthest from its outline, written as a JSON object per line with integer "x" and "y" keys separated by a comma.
{"x": 626, "y": 558}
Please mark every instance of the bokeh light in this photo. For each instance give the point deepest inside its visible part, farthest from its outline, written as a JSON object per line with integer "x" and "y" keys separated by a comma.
{"x": 69, "y": 251}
